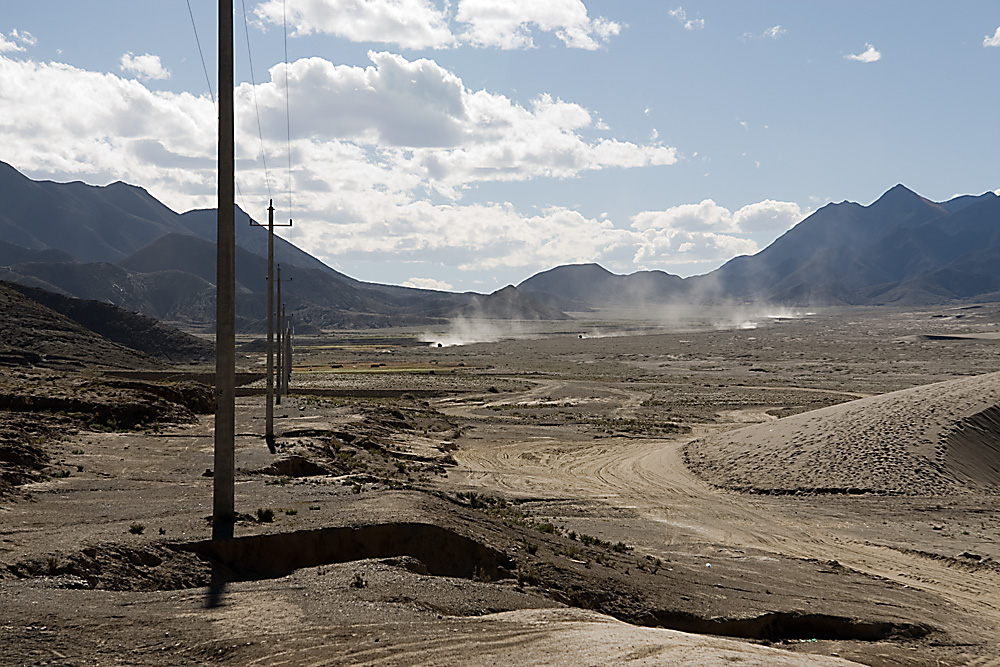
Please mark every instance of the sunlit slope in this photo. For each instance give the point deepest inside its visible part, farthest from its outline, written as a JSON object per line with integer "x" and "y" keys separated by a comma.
{"x": 942, "y": 438}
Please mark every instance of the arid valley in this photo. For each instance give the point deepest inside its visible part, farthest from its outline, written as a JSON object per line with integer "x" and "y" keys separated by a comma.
{"x": 787, "y": 488}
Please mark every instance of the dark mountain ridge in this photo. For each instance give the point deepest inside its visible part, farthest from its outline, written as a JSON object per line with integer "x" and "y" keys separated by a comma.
{"x": 119, "y": 245}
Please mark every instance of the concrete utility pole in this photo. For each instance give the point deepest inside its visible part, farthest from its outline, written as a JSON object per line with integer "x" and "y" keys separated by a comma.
{"x": 277, "y": 398}
{"x": 288, "y": 351}
{"x": 269, "y": 430}
{"x": 269, "y": 410}
{"x": 223, "y": 515}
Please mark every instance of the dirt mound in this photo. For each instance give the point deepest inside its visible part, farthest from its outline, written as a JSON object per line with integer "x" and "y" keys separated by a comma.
{"x": 931, "y": 440}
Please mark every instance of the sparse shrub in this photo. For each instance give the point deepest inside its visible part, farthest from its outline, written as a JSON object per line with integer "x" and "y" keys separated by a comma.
{"x": 136, "y": 528}
{"x": 359, "y": 581}
{"x": 61, "y": 474}
{"x": 52, "y": 564}
{"x": 291, "y": 511}
{"x": 528, "y": 577}
{"x": 531, "y": 548}
{"x": 265, "y": 515}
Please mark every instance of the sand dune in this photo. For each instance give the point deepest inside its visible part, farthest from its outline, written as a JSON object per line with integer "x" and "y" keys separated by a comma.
{"x": 942, "y": 438}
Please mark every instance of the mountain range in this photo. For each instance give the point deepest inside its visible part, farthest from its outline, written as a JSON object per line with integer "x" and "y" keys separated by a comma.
{"x": 902, "y": 249}
{"x": 117, "y": 244}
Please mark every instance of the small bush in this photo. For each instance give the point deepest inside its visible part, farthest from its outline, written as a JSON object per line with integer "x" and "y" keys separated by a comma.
{"x": 136, "y": 528}
{"x": 359, "y": 581}
{"x": 265, "y": 515}
{"x": 291, "y": 511}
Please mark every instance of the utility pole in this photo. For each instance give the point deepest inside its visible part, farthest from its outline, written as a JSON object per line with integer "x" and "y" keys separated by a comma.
{"x": 277, "y": 398}
{"x": 269, "y": 429}
{"x": 269, "y": 410}
{"x": 223, "y": 515}
{"x": 288, "y": 352}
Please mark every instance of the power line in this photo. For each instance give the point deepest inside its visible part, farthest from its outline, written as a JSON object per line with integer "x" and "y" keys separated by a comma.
{"x": 208, "y": 81}
{"x": 253, "y": 85}
{"x": 200, "y": 52}
{"x": 288, "y": 118}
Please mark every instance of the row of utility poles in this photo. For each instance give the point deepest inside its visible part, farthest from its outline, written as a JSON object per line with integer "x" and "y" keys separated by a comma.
{"x": 284, "y": 356}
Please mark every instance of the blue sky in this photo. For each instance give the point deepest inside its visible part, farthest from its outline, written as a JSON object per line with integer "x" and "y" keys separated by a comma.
{"x": 469, "y": 144}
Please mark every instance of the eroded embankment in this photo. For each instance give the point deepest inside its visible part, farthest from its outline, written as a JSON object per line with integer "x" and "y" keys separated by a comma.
{"x": 424, "y": 549}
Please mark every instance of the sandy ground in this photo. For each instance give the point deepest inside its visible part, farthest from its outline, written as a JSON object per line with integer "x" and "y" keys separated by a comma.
{"x": 815, "y": 490}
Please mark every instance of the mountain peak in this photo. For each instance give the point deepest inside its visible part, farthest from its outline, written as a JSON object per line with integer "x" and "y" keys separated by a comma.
{"x": 898, "y": 194}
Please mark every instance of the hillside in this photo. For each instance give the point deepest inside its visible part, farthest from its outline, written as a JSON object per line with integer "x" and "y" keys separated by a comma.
{"x": 34, "y": 335}
{"x": 122, "y": 326}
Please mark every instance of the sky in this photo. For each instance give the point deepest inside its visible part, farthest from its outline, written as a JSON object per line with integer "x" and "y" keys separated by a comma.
{"x": 466, "y": 145}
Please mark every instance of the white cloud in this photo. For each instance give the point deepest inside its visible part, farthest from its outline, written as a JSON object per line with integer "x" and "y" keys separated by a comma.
{"x": 412, "y": 24}
{"x": 869, "y": 55}
{"x": 420, "y": 119}
{"x": 16, "y": 41}
{"x": 992, "y": 41}
{"x": 689, "y": 24}
{"x": 146, "y": 66}
{"x": 368, "y": 145}
{"x": 508, "y": 24}
{"x": 70, "y": 123}
{"x": 419, "y": 24}
{"x": 427, "y": 283}
{"x": 775, "y": 32}
{"x": 706, "y": 231}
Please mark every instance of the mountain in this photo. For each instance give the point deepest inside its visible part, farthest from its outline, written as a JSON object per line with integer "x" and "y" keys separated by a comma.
{"x": 579, "y": 287}
{"x": 117, "y": 244}
{"x": 509, "y": 304}
{"x": 901, "y": 249}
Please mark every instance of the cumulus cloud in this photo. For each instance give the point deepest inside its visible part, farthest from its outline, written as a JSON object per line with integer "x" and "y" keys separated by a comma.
{"x": 992, "y": 41}
{"x": 412, "y": 24}
{"x": 71, "y": 123}
{"x": 371, "y": 148}
{"x": 508, "y": 24}
{"x": 706, "y": 231}
{"x": 689, "y": 24}
{"x": 146, "y": 66}
{"x": 16, "y": 41}
{"x": 422, "y": 119}
{"x": 419, "y": 24}
{"x": 869, "y": 55}
{"x": 427, "y": 283}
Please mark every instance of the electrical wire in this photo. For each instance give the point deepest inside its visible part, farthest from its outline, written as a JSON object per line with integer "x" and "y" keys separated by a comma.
{"x": 200, "y": 52}
{"x": 253, "y": 84}
{"x": 288, "y": 117}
